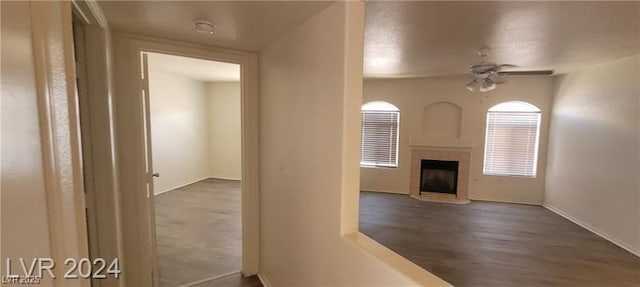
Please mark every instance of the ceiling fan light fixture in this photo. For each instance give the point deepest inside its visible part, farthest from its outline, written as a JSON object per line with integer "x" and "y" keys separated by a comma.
{"x": 487, "y": 85}
{"x": 487, "y": 75}
{"x": 206, "y": 27}
{"x": 473, "y": 86}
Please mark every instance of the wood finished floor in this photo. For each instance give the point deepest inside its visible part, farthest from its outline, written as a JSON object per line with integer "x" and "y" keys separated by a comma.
{"x": 495, "y": 244}
{"x": 198, "y": 232}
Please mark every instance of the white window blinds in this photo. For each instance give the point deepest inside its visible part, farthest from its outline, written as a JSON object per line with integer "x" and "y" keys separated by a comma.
{"x": 511, "y": 147}
{"x": 379, "y": 138}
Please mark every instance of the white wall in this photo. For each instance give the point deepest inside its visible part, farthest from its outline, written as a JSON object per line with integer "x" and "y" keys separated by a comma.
{"x": 594, "y": 154}
{"x": 306, "y": 119}
{"x": 25, "y": 232}
{"x": 225, "y": 146}
{"x": 195, "y": 129}
{"x": 179, "y": 130}
{"x": 411, "y": 96}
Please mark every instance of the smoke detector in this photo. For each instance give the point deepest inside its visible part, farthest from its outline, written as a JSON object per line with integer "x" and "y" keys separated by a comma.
{"x": 203, "y": 26}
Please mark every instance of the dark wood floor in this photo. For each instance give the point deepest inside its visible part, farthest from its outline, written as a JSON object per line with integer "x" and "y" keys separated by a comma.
{"x": 198, "y": 232}
{"x": 496, "y": 244}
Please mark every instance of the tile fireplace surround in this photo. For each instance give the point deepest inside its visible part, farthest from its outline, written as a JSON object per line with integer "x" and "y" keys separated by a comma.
{"x": 462, "y": 156}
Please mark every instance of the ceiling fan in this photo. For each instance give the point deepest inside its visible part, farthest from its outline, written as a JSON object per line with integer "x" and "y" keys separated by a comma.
{"x": 486, "y": 75}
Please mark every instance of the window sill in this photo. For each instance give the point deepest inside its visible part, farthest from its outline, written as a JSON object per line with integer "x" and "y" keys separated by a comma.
{"x": 511, "y": 176}
{"x": 379, "y": 167}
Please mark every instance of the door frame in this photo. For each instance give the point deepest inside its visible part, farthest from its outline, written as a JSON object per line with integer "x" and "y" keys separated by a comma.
{"x": 60, "y": 143}
{"x": 139, "y": 258}
{"x": 95, "y": 95}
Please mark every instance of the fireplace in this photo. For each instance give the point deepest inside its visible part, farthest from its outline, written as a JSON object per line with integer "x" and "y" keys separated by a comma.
{"x": 439, "y": 176}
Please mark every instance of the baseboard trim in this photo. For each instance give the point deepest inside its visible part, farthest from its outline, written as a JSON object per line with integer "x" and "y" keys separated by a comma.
{"x": 225, "y": 178}
{"x": 181, "y": 186}
{"x": 592, "y": 229}
{"x": 505, "y": 201}
{"x": 192, "y": 182}
{"x": 382, "y": 191}
{"x": 263, "y": 280}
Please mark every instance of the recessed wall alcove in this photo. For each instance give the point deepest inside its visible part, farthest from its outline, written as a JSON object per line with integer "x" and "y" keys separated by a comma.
{"x": 441, "y": 120}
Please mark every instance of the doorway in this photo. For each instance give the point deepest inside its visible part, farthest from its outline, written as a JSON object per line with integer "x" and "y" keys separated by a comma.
{"x": 195, "y": 147}
{"x": 135, "y": 156}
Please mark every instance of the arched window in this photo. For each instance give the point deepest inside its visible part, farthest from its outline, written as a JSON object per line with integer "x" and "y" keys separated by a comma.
{"x": 380, "y": 123}
{"x": 512, "y": 139}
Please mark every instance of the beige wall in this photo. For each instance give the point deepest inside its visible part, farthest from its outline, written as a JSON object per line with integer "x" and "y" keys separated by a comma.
{"x": 195, "y": 129}
{"x": 593, "y": 167}
{"x": 179, "y": 130}
{"x": 25, "y": 232}
{"x": 302, "y": 146}
{"x": 225, "y": 146}
{"x": 412, "y": 96}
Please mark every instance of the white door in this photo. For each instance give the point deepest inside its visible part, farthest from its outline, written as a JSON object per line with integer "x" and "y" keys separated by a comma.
{"x": 150, "y": 174}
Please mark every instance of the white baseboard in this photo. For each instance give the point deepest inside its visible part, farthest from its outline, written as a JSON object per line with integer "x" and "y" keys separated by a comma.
{"x": 264, "y": 280}
{"x": 180, "y": 186}
{"x": 382, "y": 191}
{"x": 225, "y": 178}
{"x": 192, "y": 182}
{"x": 504, "y": 201}
{"x": 593, "y": 229}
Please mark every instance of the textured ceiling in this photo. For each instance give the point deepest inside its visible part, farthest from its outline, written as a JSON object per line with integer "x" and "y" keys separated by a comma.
{"x": 408, "y": 39}
{"x": 242, "y": 25}
{"x": 442, "y": 38}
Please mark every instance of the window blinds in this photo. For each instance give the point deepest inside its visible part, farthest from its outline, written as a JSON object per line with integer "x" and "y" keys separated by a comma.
{"x": 511, "y": 147}
{"x": 379, "y": 138}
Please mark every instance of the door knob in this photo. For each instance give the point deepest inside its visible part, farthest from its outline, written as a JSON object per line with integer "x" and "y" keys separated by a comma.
{"x": 156, "y": 175}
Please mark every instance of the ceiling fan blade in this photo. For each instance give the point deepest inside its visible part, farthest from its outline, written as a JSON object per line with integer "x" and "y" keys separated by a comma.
{"x": 526, "y": 73}
{"x": 507, "y": 66}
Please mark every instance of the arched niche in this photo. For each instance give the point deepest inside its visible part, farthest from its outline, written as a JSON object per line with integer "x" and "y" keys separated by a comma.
{"x": 442, "y": 120}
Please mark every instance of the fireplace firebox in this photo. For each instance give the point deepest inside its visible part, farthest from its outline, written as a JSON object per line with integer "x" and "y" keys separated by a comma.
{"x": 439, "y": 176}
